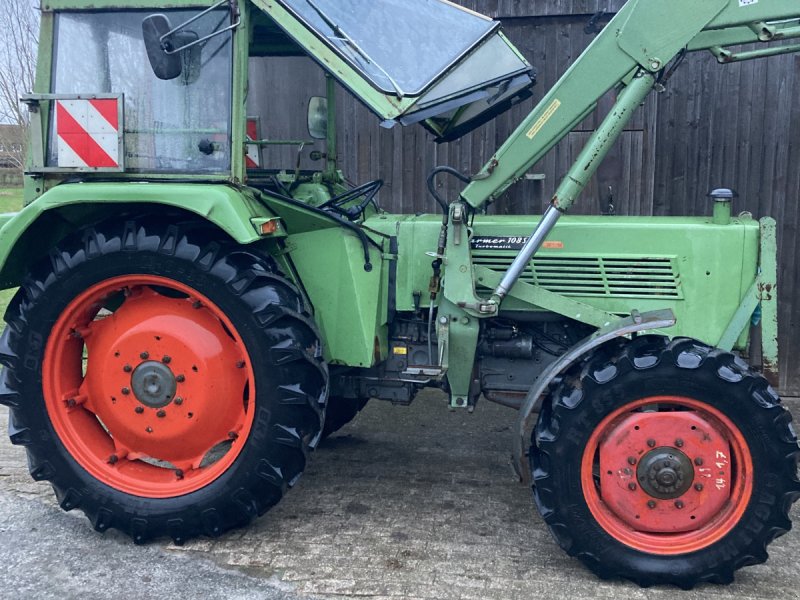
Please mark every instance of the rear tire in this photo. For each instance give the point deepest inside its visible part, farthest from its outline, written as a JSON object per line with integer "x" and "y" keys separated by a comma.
{"x": 340, "y": 412}
{"x": 193, "y": 413}
{"x": 665, "y": 463}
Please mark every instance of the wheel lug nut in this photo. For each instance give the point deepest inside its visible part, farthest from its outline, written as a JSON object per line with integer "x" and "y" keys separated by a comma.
{"x": 651, "y": 504}
{"x": 166, "y": 360}
{"x": 679, "y": 504}
{"x": 139, "y": 410}
{"x": 126, "y": 391}
{"x": 148, "y": 429}
{"x": 651, "y": 443}
{"x": 698, "y": 461}
{"x": 144, "y": 355}
{"x": 632, "y": 487}
{"x": 161, "y": 414}
{"x": 679, "y": 443}
{"x": 178, "y": 400}
{"x": 698, "y": 487}
{"x": 631, "y": 460}
{"x": 127, "y": 368}
{"x": 112, "y": 460}
{"x": 180, "y": 378}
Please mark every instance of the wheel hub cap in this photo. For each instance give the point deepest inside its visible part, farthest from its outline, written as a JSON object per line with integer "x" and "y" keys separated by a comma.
{"x": 154, "y": 384}
{"x": 665, "y": 473}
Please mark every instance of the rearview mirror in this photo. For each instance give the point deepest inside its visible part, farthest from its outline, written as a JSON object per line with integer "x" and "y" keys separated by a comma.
{"x": 318, "y": 118}
{"x": 165, "y": 65}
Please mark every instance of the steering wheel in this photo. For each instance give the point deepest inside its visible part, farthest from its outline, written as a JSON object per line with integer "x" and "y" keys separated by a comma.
{"x": 367, "y": 191}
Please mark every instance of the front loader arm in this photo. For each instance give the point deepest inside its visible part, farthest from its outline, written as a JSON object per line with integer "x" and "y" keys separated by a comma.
{"x": 643, "y": 37}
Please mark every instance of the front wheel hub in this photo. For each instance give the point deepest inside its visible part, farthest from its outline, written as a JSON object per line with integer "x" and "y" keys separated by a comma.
{"x": 665, "y": 472}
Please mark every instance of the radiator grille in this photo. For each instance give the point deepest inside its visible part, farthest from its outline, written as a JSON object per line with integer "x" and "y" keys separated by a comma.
{"x": 628, "y": 277}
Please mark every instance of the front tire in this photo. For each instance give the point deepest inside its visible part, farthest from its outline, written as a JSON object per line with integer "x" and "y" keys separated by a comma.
{"x": 163, "y": 382}
{"x": 665, "y": 463}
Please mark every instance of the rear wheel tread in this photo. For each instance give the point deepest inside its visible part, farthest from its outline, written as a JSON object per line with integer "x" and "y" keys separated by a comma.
{"x": 259, "y": 288}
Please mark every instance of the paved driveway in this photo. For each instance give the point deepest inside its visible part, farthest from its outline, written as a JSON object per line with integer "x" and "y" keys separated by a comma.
{"x": 404, "y": 503}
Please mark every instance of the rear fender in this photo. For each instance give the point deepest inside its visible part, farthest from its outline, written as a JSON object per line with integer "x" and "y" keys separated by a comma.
{"x": 27, "y": 236}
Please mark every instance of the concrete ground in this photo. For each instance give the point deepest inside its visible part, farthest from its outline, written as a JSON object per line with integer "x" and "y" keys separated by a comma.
{"x": 404, "y": 503}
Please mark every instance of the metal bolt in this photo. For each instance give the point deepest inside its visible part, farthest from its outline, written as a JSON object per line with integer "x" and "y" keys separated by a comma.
{"x": 679, "y": 443}
{"x": 178, "y": 400}
{"x": 240, "y": 364}
{"x": 197, "y": 304}
{"x": 632, "y": 487}
{"x": 179, "y": 473}
{"x": 112, "y": 460}
{"x": 651, "y": 504}
{"x": 166, "y": 360}
{"x": 148, "y": 429}
{"x": 127, "y": 368}
{"x": 679, "y": 504}
{"x": 698, "y": 487}
{"x": 651, "y": 442}
{"x": 233, "y": 435}
{"x": 161, "y": 414}
{"x": 139, "y": 410}
{"x": 71, "y": 403}
{"x": 126, "y": 391}
{"x": 180, "y": 378}
{"x": 698, "y": 461}
{"x": 144, "y": 355}
{"x": 631, "y": 460}
{"x": 443, "y": 320}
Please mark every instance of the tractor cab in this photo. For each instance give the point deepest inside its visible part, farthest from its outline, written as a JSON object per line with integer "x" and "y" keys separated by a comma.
{"x": 201, "y": 91}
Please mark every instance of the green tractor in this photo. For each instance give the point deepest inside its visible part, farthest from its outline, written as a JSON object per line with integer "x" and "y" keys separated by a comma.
{"x": 190, "y": 322}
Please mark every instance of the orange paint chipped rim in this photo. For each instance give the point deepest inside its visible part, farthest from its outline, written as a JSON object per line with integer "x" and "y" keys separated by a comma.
{"x": 87, "y": 438}
{"x": 670, "y": 544}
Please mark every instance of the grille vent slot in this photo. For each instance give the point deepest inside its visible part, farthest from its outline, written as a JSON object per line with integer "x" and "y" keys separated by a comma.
{"x": 626, "y": 277}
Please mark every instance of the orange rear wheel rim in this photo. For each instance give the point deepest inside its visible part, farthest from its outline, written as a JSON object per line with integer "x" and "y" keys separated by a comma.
{"x": 148, "y": 386}
{"x": 667, "y": 475}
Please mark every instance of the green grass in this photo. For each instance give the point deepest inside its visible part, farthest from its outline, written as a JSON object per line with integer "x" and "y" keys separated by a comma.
{"x": 10, "y": 201}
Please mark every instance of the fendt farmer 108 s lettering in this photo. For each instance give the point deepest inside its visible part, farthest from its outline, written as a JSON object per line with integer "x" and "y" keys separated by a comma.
{"x": 190, "y": 323}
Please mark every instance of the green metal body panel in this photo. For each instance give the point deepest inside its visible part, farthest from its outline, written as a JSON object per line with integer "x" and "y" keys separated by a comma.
{"x": 700, "y": 270}
{"x": 350, "y": 304}
{"x": 228, "y": 207}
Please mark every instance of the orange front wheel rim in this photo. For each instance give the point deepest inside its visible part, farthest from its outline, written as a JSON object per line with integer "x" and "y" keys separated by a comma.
{"x": 149, "y": 386}
{"x": 667, "y": 475}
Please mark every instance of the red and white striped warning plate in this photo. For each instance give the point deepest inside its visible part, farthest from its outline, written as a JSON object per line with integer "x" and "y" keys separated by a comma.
{"x": 253, "y": 157}
{"x": 88, "y": 133}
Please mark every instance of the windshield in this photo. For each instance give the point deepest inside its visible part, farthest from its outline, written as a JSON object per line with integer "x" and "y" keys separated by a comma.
{"x": 400, "y": 46}
{"x": 182, "y": 125}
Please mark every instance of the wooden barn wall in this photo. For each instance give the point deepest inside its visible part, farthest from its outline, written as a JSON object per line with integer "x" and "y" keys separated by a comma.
{"x": 715, "y": 126}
